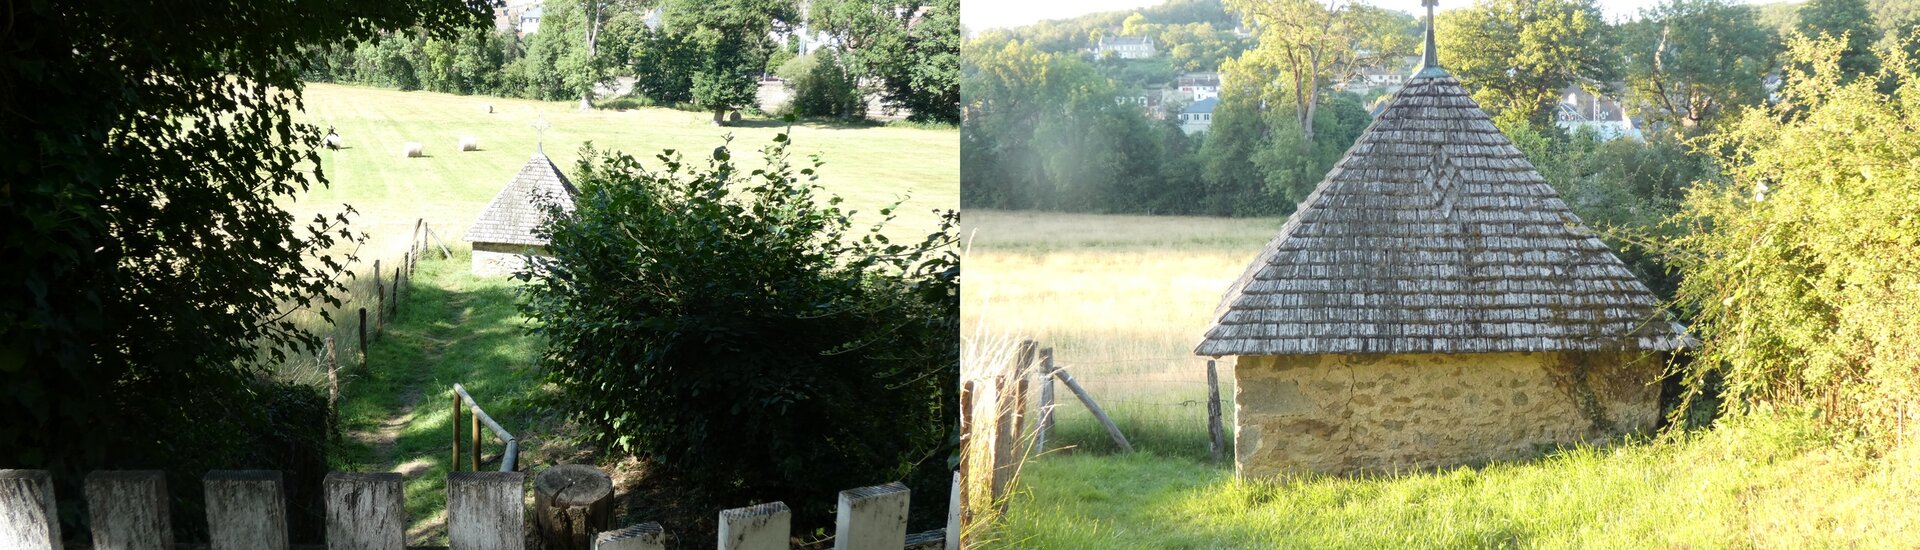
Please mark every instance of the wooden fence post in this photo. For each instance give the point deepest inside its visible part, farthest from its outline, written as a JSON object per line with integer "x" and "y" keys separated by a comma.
{"x": 956, "y": 509}
{"x": 366, "y": 512}
{"x": 1098, "y": 413}
{"x": 758, "y": 527}
{"x": 333, "y": 375}
{"x": 379, "y": 300}
{"x": 28, "y": 518}
{"x": 645, "y": 536}
{"x": 967, "y": 442}
{"x": 1003, "y": 441}
{"x": 455, "y": 465}
{"x": 487, "y": 510}
{"x": 246, "y": 510}
{"x": 128, "y": 510}
{"x": 363, "y": 339}
{"x": 1045, "y": 425}
{"x": 396, "y": 293}
{"x": 1028, "y": 349}
{"x": 872, "y": 518}
{"x": 1216, "y": 443}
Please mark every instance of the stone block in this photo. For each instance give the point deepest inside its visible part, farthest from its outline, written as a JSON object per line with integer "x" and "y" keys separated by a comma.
{"x": 872, "y": 518}
{"x": 128, "y": 510}
{"x": 645, "y": 536}
{"x": 246, "y": 510}
{"x": 28, "y": 518}
{"x": 758, "y": 527}
{"x": 366, "y": 511}
{"x": 486, "y": 510}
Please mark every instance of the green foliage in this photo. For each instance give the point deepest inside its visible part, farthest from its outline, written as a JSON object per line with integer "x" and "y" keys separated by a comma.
{"x": 731, "y": 40}
{"x": 1687, "y": 62}
{"x": 822, "y": 87}
{"x": 1799, "y": 268}
{"x": 1517, "y": 55}
{"x": 1045, "y": 133}
{"x": 743, "y": 335}
{"x": 663, "y": 64}
{"x": 1846, "y": 20}
{"x": 912, "y": 47}
{"x": 145, "y": 185}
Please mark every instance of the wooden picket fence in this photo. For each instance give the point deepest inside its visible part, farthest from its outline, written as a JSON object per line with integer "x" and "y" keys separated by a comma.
{"x": 247, "y": 510}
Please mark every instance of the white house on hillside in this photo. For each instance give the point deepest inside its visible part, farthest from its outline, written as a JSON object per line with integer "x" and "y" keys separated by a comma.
{"x": 1198, "y": 117}
{"x": 1199, "y": 86}
{"x": 1125, "y": 47}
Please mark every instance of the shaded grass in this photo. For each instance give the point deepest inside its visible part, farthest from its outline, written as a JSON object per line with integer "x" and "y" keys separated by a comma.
{"x": 1768, "y": 482}
{"x": 453, "y": 328}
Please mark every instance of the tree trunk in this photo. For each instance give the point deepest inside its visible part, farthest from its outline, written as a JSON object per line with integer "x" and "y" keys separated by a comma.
{"x": 719, "y": 117}
{"x": 571, "y": 504}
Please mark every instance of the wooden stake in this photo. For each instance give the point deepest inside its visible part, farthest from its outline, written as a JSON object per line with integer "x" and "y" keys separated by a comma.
{"x": 379, "y": 299}
{"x": 1045, "y": 426}
{"x": 1098, "y": 413}
{"x": 363, "y": 339}
{"x": 476, "y": 441}
{"x": 455, "y": 465}
{"x": 1217, "y": 443}
{"x": 333, "y": 376}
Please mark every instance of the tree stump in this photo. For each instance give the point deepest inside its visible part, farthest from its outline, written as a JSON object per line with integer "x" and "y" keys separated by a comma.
{"x": 571, "y": 504}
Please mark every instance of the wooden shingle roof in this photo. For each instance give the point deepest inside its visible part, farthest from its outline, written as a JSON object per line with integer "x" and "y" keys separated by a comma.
{"x": 1435, "y": 235}
{"x": 513, "y": 214}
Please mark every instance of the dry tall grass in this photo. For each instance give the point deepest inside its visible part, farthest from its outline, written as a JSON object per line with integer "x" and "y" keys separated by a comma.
{"x": 1122, "y": 300}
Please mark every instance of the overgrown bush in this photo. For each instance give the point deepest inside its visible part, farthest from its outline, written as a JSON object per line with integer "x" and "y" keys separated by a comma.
{"x": 822, "y": 87}
{"x": 742, "y": 334}
{"x": 1800, "y": 271}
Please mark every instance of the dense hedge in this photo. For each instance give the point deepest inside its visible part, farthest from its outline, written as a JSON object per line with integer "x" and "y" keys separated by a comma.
{"x": 743, "y": 335}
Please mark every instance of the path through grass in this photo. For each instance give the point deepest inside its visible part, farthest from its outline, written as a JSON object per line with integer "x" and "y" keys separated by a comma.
{"x": 452, "y": 328}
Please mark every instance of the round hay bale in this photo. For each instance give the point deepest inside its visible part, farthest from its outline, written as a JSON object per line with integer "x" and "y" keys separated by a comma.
{"x": 488, "y": 107}
{"x": 735, "y": 117}
{"x": 469, "y": 143}
{"x": 413, "y": 149}
{"x": 333, "y": 141}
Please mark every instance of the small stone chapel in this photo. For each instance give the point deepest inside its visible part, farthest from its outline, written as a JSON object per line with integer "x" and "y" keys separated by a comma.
{"x": 1434, "y": 303}
{"x": 502, "y": 237}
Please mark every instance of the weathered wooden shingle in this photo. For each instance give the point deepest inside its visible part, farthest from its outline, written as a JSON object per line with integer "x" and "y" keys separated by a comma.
{"x": 513, "y": 214}
{"x": 1435, "y": 235}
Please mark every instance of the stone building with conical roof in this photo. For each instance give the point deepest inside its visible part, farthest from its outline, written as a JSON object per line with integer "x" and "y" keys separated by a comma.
{"x": 502, "y": 237}
{"x": 1434, "y": 302}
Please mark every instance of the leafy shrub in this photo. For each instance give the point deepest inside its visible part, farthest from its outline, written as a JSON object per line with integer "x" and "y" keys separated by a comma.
{"x": 744, "y": 336}
{"x": 1799, "y": 270}
{"x": 822, "y": 87}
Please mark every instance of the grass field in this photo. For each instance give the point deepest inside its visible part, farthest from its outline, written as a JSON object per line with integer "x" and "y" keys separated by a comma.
{"x": 1124, "y": 298}
{"x": 868, "y": 166}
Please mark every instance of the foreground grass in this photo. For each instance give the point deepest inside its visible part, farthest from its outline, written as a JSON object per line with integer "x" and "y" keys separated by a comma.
{"x": 452, "y": 328}
{"x": 1769, "y": 484}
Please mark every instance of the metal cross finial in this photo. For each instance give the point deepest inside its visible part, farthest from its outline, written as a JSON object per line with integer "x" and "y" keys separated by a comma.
{"x": 1431, "y": 58}
{"x": 540, "y": 127}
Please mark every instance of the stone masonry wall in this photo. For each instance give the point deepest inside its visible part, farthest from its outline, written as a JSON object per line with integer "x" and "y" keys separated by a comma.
{"x": 500, "y": 260}
{"x": 1346, "y": 414}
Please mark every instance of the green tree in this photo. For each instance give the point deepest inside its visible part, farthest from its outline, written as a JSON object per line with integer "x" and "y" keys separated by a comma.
{"x": 823, "y": 88}
{"x": 742, "y": 334}
{"x": 1848, "y": 20}
{"x": 143, "y": 208}
{"x": 1309, "y": 45}
{"x": 1689, "y": 61}
{"x": 733, "y": 39}
{"x": 1517, "y": 55}
{"x": 912, "y": 47}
